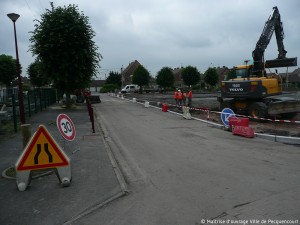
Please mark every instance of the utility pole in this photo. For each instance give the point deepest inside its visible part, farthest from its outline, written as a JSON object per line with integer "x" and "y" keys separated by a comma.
{"x": 122, "y": 77}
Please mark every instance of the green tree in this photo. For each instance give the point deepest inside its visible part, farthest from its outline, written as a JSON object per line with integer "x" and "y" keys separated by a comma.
{"x": 141, "y": 77}
{"x": 231, "y": 74}
{"x": 108, "y": 87}
{"x": 165, "y": 77}
{"x": 211, "y": 77}
{"x": 190, "y": 75}
{"x": 114, "y": 78}
{"x": 62, "y": 42}
{"x": 8, "y": 69}
{"x": 36, "y": 76}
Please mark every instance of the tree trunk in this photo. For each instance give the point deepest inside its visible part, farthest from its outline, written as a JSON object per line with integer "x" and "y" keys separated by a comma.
{"x": 68, "y": 100}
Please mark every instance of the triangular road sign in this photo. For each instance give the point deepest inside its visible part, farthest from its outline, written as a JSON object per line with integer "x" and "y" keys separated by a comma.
{"x": 42, "y": 152}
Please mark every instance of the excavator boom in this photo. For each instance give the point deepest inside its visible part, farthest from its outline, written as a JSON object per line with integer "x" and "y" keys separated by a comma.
{"x": 272, "y": 24}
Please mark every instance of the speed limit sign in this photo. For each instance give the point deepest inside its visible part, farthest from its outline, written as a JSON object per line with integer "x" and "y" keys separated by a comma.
{"x": 66, "y": 127}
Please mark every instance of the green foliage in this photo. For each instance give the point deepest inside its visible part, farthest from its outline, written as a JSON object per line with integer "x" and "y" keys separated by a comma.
{"x": 25, "y": 87}
{"x": 62, "y": 42}
{"x": 114, "y": 78}
{"x": 141, "y": 76}
{"x": 231, "y": 74}
{"x": 37, "y": 78}
{"x": 190, "y": 75}
{"x": 8, "y": 69}
{"x": 108, "y": 88}
{"x": 211, "y": 77}
{"x": 165, "y": 77}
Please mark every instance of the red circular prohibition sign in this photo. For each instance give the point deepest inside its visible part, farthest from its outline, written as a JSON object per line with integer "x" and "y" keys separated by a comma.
{"x": 66, "y": 127}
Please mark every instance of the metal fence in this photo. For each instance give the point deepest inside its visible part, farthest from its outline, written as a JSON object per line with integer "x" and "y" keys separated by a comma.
{"x": 35, "y": 100}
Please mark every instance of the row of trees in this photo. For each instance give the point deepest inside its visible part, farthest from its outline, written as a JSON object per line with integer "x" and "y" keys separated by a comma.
{"x": 66, "y": 55}
{"x": 68, "y": 58}
{"x": 165, "y": 77}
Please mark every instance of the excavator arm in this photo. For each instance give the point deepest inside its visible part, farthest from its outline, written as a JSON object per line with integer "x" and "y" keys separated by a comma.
{"x": 272, "y": 24}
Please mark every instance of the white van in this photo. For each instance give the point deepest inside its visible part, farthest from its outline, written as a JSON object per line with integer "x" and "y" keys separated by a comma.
{"x": 130, "y": 88}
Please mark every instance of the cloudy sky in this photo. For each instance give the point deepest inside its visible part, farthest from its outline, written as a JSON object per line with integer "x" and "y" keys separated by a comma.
{"x": 158, "y": 33}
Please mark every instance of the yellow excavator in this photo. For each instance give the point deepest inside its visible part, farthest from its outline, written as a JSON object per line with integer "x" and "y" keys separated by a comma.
{"x": 252, "y": 91}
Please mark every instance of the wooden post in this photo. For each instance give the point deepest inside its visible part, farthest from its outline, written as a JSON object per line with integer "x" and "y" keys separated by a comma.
{"x": 26, "y": 134}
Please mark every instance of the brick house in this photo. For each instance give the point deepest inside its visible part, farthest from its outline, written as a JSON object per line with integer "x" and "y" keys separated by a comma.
{"x": 222, "y": 71}
{"x": 126, "y": 74}
{"x": 178, "y": 82}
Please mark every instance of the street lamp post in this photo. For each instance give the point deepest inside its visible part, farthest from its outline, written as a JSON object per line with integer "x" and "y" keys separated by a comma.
{"x": 14, "y": 17}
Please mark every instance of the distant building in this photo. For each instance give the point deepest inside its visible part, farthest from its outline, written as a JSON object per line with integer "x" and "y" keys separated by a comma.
{"x": 178, "y": 82}
{"x": 96, "y": 85}
{"x": 293, "y": 77}
{"x": 222, "y": 71}
{"x": 127, "y": 73}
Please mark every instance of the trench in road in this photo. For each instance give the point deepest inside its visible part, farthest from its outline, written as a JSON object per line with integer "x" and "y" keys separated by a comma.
{"x": 184, "y": 171}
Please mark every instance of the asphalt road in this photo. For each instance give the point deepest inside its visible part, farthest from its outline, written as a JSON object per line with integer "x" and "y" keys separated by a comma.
{"x": 185, "y": 172}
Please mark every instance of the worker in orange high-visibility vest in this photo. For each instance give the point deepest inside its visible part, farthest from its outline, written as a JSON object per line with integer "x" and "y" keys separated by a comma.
{"x": 179, "y": 97}
{"x": 190, "y": 95}
{"x": 184, "y": 98}
{"x": 175, "y": 96}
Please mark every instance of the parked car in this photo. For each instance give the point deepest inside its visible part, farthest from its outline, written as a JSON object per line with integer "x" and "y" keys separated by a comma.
{"x": 130, "y": 88}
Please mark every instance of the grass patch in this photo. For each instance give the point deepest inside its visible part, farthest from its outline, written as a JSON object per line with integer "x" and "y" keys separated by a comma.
{"x": 6, "y": 130}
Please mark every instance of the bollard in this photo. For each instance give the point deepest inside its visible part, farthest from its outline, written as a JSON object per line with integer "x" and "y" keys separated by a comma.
{"x": 26, "y": 134}
{"x": 164, "y": 107}
{"x": 147, "y": 104}
{"x": 134, "y": 100}
{"x": 186, "y": 113}
{"x": 158, "y": 104}
{"x": 122, "y": 96}
{"x": 91, "y": 113}
{"x": 93, "y": 120}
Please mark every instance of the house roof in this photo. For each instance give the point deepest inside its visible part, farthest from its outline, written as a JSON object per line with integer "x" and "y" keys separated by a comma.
{"x": 128, "y": 71}
{"x": 293, "y": 76}
{"x": 97, "y": 83}
{"x": 177, "y": 74}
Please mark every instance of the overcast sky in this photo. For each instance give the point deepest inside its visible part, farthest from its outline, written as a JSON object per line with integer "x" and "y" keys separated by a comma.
{"x": 158, "y": 33}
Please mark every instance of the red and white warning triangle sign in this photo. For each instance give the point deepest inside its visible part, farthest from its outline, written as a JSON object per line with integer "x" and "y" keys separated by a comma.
{"x": 42, "y": 152}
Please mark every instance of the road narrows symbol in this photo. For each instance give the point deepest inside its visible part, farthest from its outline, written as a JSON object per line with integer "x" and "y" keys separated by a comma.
{"x": 38, "y": 152}
{"x": 36, "y": 156}
{"x": 48, "y": 153}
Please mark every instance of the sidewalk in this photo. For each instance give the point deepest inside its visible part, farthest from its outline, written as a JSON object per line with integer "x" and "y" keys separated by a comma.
{"x": 94, "y": 180}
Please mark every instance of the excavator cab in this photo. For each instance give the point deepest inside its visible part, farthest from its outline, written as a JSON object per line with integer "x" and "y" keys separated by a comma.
{"x": 243, "y": 71}
{"x": 247, "y": 85}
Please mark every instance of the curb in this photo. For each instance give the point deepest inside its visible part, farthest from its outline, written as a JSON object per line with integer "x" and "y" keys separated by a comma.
{"x": 118, "y": 173}
{"x": 93, "y": 208}
{"x": 111, "y": 156}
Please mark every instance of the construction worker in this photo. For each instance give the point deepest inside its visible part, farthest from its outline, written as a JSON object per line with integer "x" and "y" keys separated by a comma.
{"x": 175, "y": 96}
{"x": 179, "y": 97}
{"x": 190, "y": 95}
{"x": 184, "y": 98}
